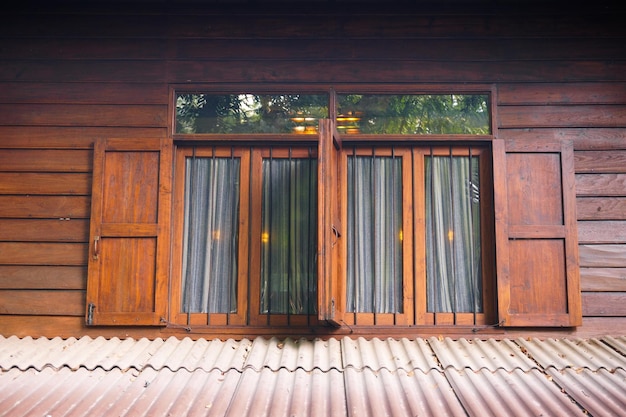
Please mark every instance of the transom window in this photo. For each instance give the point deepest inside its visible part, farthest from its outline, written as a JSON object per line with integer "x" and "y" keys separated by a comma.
{"x": 410, "y": 235}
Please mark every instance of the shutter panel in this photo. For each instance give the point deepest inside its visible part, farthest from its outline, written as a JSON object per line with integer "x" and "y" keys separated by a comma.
{"x": 330, "y": 299}
{"x": 536, "y": 242}
{"x": 129, "y": 250}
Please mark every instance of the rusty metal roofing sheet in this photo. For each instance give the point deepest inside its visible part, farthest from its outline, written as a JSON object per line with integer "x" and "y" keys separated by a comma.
{"x": 338, "y": 377}
{"x": 591, "y": 354}
{"x": 478, "y": 354}
{"x": 515, "y": 393}
{"x": 599, "y": 392}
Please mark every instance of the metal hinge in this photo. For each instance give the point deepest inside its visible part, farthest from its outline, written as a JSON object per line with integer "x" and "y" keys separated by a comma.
{"x": 90, "y": 308}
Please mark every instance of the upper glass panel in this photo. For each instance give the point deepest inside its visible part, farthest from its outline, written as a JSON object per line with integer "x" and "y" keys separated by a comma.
{"x": 413, "y": 114}
{"x": 198, "y": 113}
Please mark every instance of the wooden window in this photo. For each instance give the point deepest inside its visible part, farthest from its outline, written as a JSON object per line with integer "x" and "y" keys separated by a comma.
{"x": 246, "y": 218}
{"x": 355, "y": 229}
{"x": 416, "y": 221}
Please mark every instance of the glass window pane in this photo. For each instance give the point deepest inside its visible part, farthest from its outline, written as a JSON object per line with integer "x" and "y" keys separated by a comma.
{"x": 453, "y": 252}
{"x": 413, "y": 114}
{"x": 210, "y": 235}
{"x": 289, "y": 236}
{"x": 374, "y": 264}
{"x": 249, "y": 113}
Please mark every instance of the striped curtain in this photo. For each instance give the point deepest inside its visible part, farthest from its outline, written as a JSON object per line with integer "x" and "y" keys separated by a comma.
{"x": 453, "y": 257}
{"x": 210, "y": 235}
{"x": 374, "y": 262}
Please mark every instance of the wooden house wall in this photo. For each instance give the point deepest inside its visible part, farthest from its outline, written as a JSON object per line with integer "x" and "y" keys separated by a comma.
{"x": 69, "y": 77}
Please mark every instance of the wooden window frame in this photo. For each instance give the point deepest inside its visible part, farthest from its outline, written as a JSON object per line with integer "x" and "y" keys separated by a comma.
{"x": 108, "y": 281}
{"x": 209, "y": 319}
{"x": 414, "y": 244}
{"x": 405, "y": 316}
{"x": 249, "y": 240}
{"x": 423, "y": 316}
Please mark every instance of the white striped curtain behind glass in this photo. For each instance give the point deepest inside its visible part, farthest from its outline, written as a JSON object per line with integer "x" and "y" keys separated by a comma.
{"x": 374, "y": 264}
{"x": 453, "y": 234}
{"x": 210, "y": 235}
{"x": 289, "y": 230}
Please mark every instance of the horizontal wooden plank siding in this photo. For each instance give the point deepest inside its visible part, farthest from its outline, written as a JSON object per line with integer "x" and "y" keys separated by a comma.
{"x": 32, "y": 183}
{"x": 44, "y": 207}
{"x": 584, "y": 138}
{"x": 73, "y": 74}
{"x": 20, "y": 253}
{"x": 603, "y": 256}
{"x": 38, "y": 230}
{"x": 42, "y": 302}
{"x": 43, "y": 277}
{"x": 84, "y": 93}
{"x": 603, "y": 279}
{"x": 602, "y": 232}
{"x": 562, "y": 116}
{"x": 604, "y": 304}
{"x": 46, "y": 160}
{"x": 82, "y": 115}
{"x": 601, "y": 208}
{"x": 81, "y": 137}
{"x": 601, "y": 161}
{"x": 601, "y": 184}
{"x": 563, "y": 93}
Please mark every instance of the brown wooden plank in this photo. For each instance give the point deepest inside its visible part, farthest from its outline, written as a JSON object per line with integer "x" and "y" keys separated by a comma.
{"x": 50, "y": 207}
{"x": 561, "y": 93}
{"x": 82, "y": 48}
{"x": 42, "y": 302}
{"x": 83, "y": 115}
{"x": 320, "y": 71}
{"x": 602, "y": 256}
{"x": 83, "y": 93}
{"x": 389, "y": 23}
{"x": 562, "y": 116}
{"x": 601, "y": 232}
{"x": 45, "y": 160}
{"x": 37, "y": 230}
{"x": 584, "y": 138}
{"x": 12, "y": 253}
{"x": 600, "y": 161}
{"x": 44, "y": 184}
{"x": 84, "y": 71}
{"x": 601, "y": 208}
{"x": 263, "y": 21}
{"x": 69, "y": 137}
{"x": 604, "y": 304}
{"x": 603, "y": 279}
{"x": 43, "y": 277}
{"x": 407, "y": 48}
{"x": 601, "y": 185}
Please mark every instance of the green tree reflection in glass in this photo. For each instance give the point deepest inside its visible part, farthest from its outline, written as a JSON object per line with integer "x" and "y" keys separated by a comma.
{"x": 413, "y": 114}
{"x": 249, "y": 113}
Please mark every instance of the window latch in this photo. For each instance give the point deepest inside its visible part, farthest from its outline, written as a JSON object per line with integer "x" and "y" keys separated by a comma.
{"x": 336, "y": 233}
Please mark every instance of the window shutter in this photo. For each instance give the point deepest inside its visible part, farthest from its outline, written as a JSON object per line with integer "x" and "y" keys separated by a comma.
{"x": 330, "y": 298}
{"x": 129, "y": 249}
{"x": 536, "y": 242}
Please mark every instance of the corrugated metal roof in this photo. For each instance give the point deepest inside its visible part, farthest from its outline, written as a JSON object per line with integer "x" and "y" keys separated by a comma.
{"x": 338, "y": 377}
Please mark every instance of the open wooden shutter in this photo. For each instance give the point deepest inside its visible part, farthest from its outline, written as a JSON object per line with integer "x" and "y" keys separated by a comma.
{"x": 329, "y": 287}
{"x": 536, "y": 242}
{"x": 129, "y": 250}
